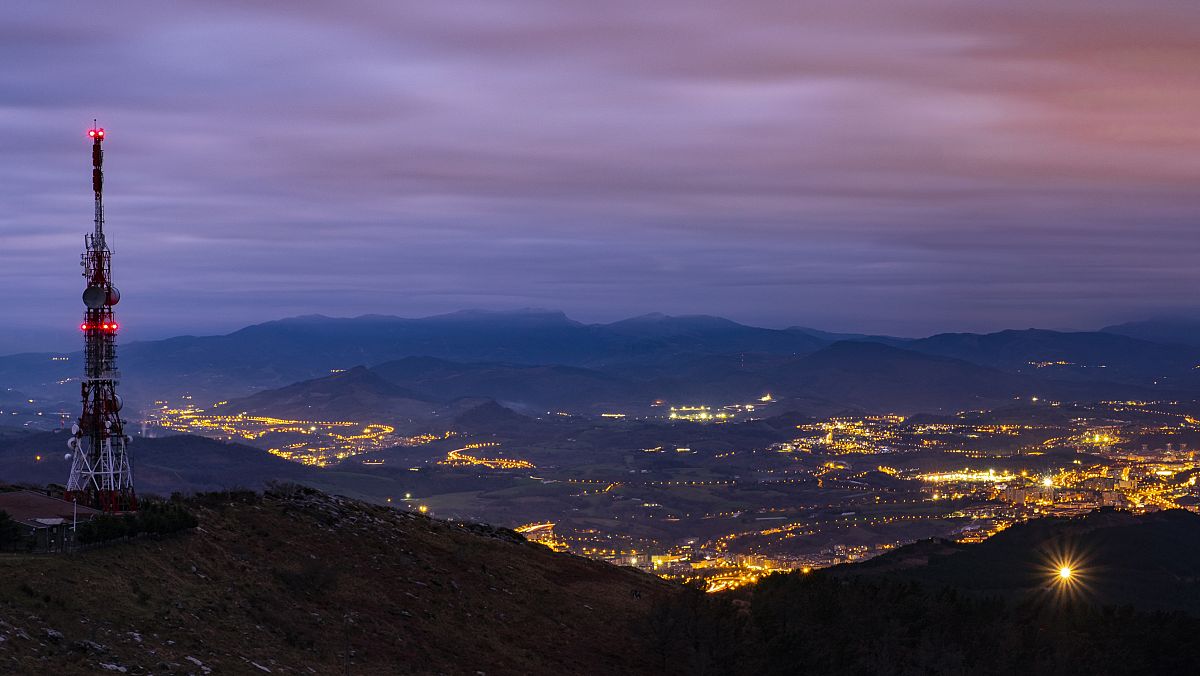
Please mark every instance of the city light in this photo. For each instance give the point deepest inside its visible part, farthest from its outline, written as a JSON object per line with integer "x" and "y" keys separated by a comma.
{"x": 459, "y": 458}
{"x": 990, "y": 476}
{"x": 1065, "y": 569}
{"x": 889, "y": 478}
{"x": 310, "y": 442}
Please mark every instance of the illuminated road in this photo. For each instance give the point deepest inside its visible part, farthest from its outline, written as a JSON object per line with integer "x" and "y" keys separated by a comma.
{"x": 459, "y": 458}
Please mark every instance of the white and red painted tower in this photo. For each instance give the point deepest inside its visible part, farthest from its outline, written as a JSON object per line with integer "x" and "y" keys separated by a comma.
{"x": 100, "y": 473}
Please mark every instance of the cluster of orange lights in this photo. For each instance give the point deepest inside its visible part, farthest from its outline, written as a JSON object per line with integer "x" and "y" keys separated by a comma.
{"x": 103, "y": 327}
{"x": 96, "y": 133}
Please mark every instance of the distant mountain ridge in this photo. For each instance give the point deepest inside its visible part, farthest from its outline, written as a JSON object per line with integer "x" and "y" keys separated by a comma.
{"x": 681, "y": 355}
{"x": 1083, "y": 355}
{"x": 844, "y": 376}
{"x": 276, "y": 353}
{"x": 1178, "y": 330}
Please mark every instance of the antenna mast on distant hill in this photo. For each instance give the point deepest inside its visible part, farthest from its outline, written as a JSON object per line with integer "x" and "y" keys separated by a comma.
{"x": 100, "y": 472}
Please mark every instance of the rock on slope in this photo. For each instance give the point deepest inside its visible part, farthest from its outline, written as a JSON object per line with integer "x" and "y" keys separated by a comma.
{"x": 299, "y": 582}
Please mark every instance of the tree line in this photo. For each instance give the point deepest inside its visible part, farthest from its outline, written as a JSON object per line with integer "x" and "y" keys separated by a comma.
{"x": 154, "y": 517}
{"x": 817, "y": 624}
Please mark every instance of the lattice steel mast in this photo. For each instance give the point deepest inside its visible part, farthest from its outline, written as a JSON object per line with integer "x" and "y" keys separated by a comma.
{"x": 100, "y": 472}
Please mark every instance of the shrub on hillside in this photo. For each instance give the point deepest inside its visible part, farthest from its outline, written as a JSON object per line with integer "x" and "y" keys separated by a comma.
{"x": 154, "y": 517}
{"x": 310, "y": 578}
{"x": 287, "y": 490}
{"x": 165, "y": 517}
{"x": 219, "y": 499}
{"x": 10, "y": 531}
{"x": 817, "y": 624}
{"x": 707, "y": 634}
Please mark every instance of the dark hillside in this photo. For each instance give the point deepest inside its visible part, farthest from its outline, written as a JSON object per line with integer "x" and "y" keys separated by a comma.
{"x": 298, "y": 582}
{"x": 354, "y": 394}
{"x": 1178, "y": 330}
{"x": 994, "y": 608}
{"x": 182, "y": 462}
{"x": 1151, "y": 561}
{"x": 872, "y": 376}
{"x": 492, "y": 418}
{"x": 1084, "y": 355}
{"x": 536, "y": 388}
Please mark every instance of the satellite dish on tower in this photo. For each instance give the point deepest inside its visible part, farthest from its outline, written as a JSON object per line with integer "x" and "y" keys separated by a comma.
{"x": 94, "y": 297}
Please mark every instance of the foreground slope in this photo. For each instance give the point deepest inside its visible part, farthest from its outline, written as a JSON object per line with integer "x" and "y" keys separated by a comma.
{"x": 1117, "y": 558}
{"x": 297, "y": 581}
{"x": 300, "y": 582}
{"x": 991, "y": 609}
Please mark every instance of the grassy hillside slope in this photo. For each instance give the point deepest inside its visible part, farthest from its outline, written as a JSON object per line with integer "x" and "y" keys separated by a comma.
{"x": 299, "y": 582}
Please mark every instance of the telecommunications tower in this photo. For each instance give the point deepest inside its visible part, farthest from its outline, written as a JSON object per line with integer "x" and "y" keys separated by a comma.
{"x": 100, "y": 472}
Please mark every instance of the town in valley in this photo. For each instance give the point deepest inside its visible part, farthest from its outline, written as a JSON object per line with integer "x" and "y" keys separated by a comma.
{"x": 725, "y": 493}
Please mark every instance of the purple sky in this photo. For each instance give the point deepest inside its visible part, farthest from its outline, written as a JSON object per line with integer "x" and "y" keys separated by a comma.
{"x": 881, "y": 165}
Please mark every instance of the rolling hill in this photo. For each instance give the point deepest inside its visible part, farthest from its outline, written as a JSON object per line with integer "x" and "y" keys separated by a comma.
{"x": 993, "y": 608}
{"x": 296, "y": 581}
{"x": 519, "y": 386}
{"x": 1074, "y": 356}
{"x": 877, "y": 377}
{"x": 277, "y": 353}
{"x": 354, "y": 394}
{"x": 1169, "y": 330}
{"x": 1149, "y": 561}
{"x": 845, "y": 376}
{"x": 162, "y": 466}
{"x": 299, "y": 582}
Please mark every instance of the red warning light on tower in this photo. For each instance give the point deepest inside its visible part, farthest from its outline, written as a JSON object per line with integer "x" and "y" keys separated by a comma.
{"x": 100, "y": 472}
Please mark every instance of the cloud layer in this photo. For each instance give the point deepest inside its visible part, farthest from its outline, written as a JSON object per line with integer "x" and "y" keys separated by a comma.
{"x": 884, "y": 165}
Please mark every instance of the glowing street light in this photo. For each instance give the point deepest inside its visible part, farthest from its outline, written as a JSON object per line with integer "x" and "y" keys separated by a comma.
{"x": 1065, "y": 573}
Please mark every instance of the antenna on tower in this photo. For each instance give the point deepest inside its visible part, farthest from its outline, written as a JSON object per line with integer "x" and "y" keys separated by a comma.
{"x": 101, "y": 476}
